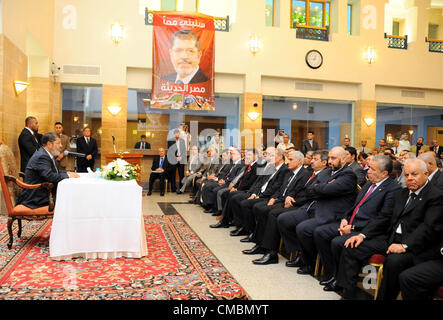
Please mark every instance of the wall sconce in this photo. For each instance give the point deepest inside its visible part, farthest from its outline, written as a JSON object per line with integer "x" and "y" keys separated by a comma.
{"x": 369, "y": 121}
{"x": 294, "y": 106}
{"x": 19, "y": 86}
{"x": 75, "y": 119}
{"x": 253, "y": 115}
{"x": 411, "y": 132}
{"x": 254, "y": 43}
{"x": 114, "y": 110}
{"x": 370, "y": 55}
{"x": 117, "y": 33}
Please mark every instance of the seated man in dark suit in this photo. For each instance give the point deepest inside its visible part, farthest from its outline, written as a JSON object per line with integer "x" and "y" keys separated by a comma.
{"x": 437, "y": 149}
{"x": 28, "y": 142}
{"x": 435, "y": 175}
{"x": 143, "y": 144}
{"x": 243, "y": 211}
{"x": 266, "y": 233}
{"x": 408, "y": 235}
{"x": 334, "y": 197}
{"x": 421, "y": 281}
{"x": 88, "y": 146}
{"x": 159, "y": 170}
{"x": 43, "y": 168}
{"x": 185, "y": 56}
{"x": 210, "y": 192}
{"x": 377, "y": 195}
{"x": 351, "y": 160}
{"x": 241, "y": 184}
{"x": 302, "y": 208}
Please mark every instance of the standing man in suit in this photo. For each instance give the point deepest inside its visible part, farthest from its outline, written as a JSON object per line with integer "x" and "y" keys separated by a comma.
{"x": 143, "y": 144}
{"x": 28, "y": 142}
{"x": 177, "y": 159}
{"x": 435, "y": 175}
{"x": 437, "y": 149}
{"x": 88, "y": 146}
{"x": 381, "y": 146}
{"x": 421, "y": 281}
{"x": 419, "y": 147}
{"x": 377, "y": 195}
{"x": 309, "y": 144}
{"x": 364, "y": 148}
{"x": 334, "y": 197}
{"x": 351, "y": 160}
{"x": 159, "y": 170}
{"x": 62, "y": 160}
{"x": 408, "y": 235}
{"x": 42, "y": 167}
{"x": 185, "y": 56}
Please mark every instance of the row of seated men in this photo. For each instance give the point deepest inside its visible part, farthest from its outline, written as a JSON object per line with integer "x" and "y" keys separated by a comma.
{"x": 320, "y": 209}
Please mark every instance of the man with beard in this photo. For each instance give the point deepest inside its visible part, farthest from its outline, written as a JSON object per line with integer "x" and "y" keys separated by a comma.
{"x": 41, "y": 168}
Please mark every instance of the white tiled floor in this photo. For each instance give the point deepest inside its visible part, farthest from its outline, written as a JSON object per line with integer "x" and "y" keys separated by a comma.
{"x": 260, "y": 282}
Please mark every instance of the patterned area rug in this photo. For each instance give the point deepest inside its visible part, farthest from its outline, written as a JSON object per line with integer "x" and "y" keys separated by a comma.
{"x": 178, "y": 266}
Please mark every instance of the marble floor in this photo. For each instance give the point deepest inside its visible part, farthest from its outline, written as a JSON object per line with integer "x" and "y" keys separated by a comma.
{"x": 270, "y": 282}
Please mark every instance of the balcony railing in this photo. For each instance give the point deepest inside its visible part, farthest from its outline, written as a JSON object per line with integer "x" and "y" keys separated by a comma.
{"x": 220, "y": 23}
{"x": 435, "y": 45}
{"x": 312, "y": 33}
{"x": 397, "y": 42}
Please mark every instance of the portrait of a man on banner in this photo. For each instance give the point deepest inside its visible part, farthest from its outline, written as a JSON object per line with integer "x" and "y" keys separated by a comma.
{"x": 183, "y": 62}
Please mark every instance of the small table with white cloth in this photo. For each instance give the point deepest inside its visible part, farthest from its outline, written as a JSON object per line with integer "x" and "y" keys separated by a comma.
{"x": 97, "y": 218}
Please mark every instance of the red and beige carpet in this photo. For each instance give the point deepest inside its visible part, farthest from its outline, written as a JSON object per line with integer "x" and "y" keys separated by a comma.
{"x": 178, "y": 266}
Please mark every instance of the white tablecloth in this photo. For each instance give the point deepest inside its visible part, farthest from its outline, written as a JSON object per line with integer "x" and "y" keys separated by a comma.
{"x": 97, "y": 218}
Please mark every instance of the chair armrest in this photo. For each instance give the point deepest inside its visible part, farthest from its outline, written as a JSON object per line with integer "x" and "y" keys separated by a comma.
{"x": 47, "y": 185}
{"x": 21, "y": 175}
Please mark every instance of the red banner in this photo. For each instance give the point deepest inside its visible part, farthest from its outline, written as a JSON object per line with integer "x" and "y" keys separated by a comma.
{"x": 183, "y": 62}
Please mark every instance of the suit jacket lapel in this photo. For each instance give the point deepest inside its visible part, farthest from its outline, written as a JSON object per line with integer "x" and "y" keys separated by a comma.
{"x": 417, "y": 200}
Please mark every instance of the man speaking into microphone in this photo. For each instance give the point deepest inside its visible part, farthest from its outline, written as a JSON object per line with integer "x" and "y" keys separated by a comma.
{"x": 88, "y": 146}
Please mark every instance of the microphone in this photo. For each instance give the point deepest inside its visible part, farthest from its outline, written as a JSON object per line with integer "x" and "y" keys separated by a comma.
{"x": 113, "y": 142}
{"x": 76, "y": 154}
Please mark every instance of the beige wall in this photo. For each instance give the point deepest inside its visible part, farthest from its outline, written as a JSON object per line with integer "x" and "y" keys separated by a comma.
{"x": 282, "y": 55}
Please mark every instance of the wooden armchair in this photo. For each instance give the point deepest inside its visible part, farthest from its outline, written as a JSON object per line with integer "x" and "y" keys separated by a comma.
{"x": 11, "y": 189}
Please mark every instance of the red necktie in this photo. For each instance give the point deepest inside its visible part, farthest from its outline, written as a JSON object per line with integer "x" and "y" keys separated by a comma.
{"x": 247, "y": 170}
{"x": 312, "y": 177}
{"x": 361, "y": 202}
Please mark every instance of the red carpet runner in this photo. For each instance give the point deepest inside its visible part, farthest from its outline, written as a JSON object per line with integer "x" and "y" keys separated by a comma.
{"x": 178, "y": 266}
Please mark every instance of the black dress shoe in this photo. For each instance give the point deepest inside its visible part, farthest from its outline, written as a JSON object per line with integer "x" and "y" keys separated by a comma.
{"x": 216, "y": 214}
{"x": 220, "y": 224}
{"x": 239, "y": 232}
{"x": 162, "y": 194}
{"x": 179, "y": 192}
{"x": 333, "y": 287}
{"x": 297, "y": 263}
{"x": 208, "y": 210}
{"x": 149, "y": 193}
{"x": 247, "y": 239}
{"x": 268, "y": 258}
{"x": 326, "y": 282}
{"x": 255, "y": 250}
{"x": 304, "y": 270}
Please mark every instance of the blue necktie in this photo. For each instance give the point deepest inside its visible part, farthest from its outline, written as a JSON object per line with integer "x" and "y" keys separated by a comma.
{"x": 161, "y": 162}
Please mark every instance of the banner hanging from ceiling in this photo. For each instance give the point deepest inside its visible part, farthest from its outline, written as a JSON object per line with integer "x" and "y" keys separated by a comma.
{"x": 183, "y": 61}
